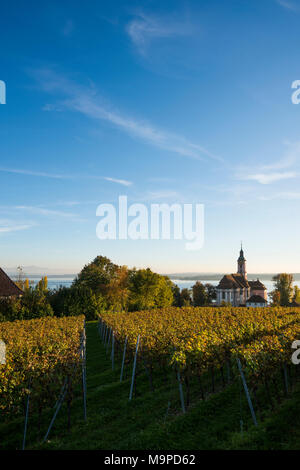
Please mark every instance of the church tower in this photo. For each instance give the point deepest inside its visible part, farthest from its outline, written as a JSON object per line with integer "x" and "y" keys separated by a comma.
{"x": 241, "y": 262}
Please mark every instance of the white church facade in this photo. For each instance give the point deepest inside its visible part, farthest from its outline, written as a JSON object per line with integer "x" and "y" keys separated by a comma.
{"x": 238, "y": 291}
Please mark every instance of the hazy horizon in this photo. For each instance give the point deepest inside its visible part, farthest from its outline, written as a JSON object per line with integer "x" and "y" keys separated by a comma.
{"x": 38, "y": 271}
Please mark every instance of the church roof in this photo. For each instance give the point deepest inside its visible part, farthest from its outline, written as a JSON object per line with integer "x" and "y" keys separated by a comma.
{"x": 233, "y": 281}
{"x": 257, "y": 285}
{"x": 7, "y": 287}
{"x": 256, "y": 299}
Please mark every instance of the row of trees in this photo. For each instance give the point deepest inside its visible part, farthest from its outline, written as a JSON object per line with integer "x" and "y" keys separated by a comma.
{"x": 103, "y": 285}
{"x": 34, "y": 302}
{"x": 199, "y": 296}
{"x": 284, "y": 293}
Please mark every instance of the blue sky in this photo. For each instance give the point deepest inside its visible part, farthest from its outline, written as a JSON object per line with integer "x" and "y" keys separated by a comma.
{"x": 173, "y": 101}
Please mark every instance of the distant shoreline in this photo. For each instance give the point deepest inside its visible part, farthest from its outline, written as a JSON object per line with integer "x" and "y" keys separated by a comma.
{"x": 178, "y": 276}
{"x": 218, "y": 276}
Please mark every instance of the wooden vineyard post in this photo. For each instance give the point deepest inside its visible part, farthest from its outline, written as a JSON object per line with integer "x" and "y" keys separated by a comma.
{"x": 26, "y": 417}
{"x": 108, "y": 341}
{"x": 113, "y": 351}
{"x": 105, "y": 335}
{"x": 123, "y": 360}
{"x": 181, "y": 392}
{"x": 103, "y": 331}
{"x": 134, "y": 367}
{"x": 247, "y": 392}
{"x": 58, "y": 406}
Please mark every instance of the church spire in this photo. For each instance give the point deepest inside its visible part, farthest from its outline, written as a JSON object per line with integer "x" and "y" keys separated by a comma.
{"x": 241, "y": 263}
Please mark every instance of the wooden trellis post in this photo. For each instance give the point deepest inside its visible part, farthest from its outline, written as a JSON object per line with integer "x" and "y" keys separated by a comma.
{"x": 123, "y": 360}
{"x": 247, "y": 392}
{"x": 134, "y": 367}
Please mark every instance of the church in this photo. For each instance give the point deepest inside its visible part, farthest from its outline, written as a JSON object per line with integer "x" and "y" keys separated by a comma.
{"x": 238, "y": 291}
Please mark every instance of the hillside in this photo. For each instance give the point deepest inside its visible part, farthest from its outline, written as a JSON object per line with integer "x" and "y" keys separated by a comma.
{"x": 153, "y": 420}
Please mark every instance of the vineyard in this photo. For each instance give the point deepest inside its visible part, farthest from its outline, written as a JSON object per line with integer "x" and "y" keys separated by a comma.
{"x": 197, "y": 342}
{"x": 173, "y": 378}
{"x": 43, "y": 364}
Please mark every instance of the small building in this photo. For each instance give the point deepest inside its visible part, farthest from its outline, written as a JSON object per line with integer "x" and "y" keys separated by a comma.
{"x": 237, "y": 290}
{"x": 256, "y": 301}
{"x": 7, "y": 287}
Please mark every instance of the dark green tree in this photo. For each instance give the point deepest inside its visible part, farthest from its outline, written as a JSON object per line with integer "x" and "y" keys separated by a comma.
{"x": 148, "y": 290}
{"x": 97, "y": 275}
{"x": 211, "y": 292}
{"x": 77, "y": 300}
{"x": 185, "y": 298}
{"x": 283, "y": 289}
{"x": 176, "y": 295}
{"x": 200, "y": 295}
{"x": 296, "y": 295}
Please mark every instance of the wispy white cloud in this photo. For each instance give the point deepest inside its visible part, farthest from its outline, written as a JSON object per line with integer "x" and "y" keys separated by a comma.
{"x": 7, "y": 226}
{"x": 39, "y": 210}
{"x": 115, "y": 180}
{"x": 33, "y": 173}
{"x": 267, "y": 178}
{"x": 145, "y": 28}
{"x": 15, "y": 228}
{"x": 288, "y": 5}
{"x": 282, "y": 164}
{"x": 271, "y": 172}
{"x": 87, "y": 102}
{"x": 43, "y": 174}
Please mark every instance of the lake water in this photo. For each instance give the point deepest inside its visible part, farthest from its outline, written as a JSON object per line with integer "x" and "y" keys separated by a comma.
{"x": 55, "y": 283}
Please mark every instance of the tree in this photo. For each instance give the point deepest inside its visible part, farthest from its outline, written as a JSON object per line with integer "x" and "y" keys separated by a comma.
{"x": 118, "y": 290}
{"x": 10, "y": 309}
{"x": 43, "y": 284}
{"x": 149, "y": 290}
{"x": 200, "y": 295}
{"x": 275, "y": 298}
{"x": 283, "y": 291}
{"x": 77, "y": 300}
{"x": 211, "y": 292}
{"x": 176, "y": 295}
{"x": 21, "y": 281}
{"x": 164, "y": 294}
{"x": 296, "y": 295}
{"x": 35, "y": 304}
{"x": 185, "y": 298}
{"x": 97, "y": 275}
